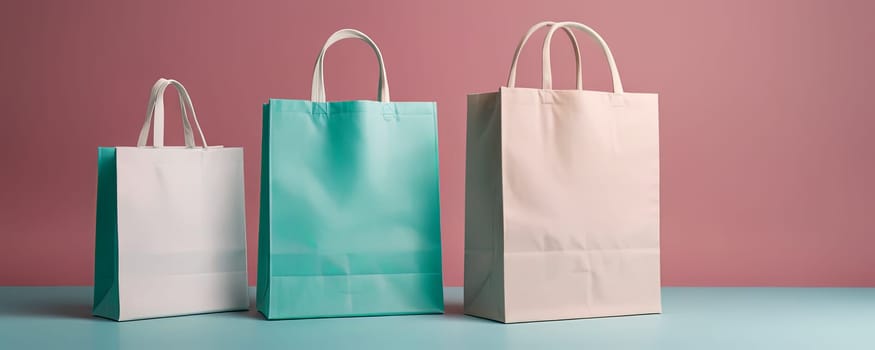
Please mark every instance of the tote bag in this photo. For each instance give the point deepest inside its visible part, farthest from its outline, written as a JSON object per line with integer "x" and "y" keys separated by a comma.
{"x": 562, "y": 200}
{"x": 171, "y": 236}
{"x": 350, "y": 214}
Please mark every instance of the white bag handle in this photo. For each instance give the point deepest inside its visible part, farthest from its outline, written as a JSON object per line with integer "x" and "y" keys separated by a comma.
{"x": 156, "y": 104}
{"x": 547, "y": 74}
{"x": 156, "y": 108}
{"x": 511, "y": 79}
{"x": 317, "y": 93}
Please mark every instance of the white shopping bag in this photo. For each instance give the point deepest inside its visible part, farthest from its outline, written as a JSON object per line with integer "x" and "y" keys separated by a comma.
{"x": 562, "y": 200}
{"x": 170, "y": 231}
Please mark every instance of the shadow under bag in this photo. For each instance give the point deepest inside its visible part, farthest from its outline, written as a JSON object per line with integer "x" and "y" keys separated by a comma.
{"x": 350, "y": 214}
{"x": 562, "y": 199}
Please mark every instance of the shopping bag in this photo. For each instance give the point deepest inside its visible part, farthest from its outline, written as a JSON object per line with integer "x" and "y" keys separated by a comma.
{"x": 170, "y": 226}
{"x": 350, "y": 214}
{"x": 562, "y": 200}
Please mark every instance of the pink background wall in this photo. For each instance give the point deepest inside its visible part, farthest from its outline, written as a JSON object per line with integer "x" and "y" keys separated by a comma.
{"x": 768, "y": 154}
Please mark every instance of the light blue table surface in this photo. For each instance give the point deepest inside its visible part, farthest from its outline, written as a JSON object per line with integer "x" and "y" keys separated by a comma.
{"x": 693, "y": 318}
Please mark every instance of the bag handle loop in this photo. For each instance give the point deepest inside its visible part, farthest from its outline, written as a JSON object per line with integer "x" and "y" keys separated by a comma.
{"x": 317, "y": 93}
{"x": 547, "y": 82}
{"x": 511, "y": 79}
{"x": 155, "y": 109}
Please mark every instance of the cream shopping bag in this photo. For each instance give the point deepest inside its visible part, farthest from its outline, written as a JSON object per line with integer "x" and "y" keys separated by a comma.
{"x": 171, "y": 236}
{"x": 562, "y": 200}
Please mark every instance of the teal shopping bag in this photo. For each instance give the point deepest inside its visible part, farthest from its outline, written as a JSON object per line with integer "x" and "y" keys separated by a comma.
{"x": 350, "y": 214}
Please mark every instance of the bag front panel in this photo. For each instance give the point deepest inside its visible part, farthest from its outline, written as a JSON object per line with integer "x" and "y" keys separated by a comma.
{"x": 181, "y": 230}
{"x": 354, "y": 209}
{"x": 581, "y": 203}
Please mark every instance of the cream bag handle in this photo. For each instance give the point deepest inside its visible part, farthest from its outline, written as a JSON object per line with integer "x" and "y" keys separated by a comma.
{"x": 547, "y": 82}
{"x": 155, "y": 109}
{"x": 317, "y": 93}
{"x": 511, "y": 79}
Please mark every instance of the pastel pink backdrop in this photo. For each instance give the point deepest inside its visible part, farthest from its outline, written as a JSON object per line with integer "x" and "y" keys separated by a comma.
{"x": 766, "y": 117}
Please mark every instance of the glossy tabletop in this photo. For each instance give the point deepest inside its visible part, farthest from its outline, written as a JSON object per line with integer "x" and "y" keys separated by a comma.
{"x": 693, "y": 318}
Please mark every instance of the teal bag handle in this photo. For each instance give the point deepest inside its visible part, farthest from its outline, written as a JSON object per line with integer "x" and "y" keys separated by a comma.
{"x": 511, "y": 79}
{"x": 155, "y": 109}
{"x": 317, "y": 93}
